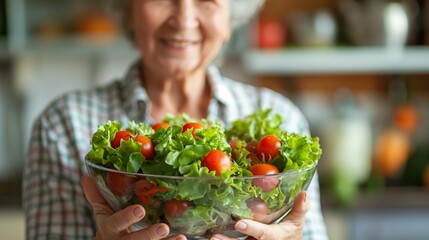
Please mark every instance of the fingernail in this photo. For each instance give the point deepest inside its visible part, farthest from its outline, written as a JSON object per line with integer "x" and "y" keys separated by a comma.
{"x": 214, "y": 238}
{"x": 138, "y": 212}
{"x": 305, "y": 197}
{"x": 240, "y": 225}
{"x": 161, "y": 231}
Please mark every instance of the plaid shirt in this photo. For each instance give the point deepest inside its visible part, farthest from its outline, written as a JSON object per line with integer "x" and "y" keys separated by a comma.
{"x": 54, "y": 203}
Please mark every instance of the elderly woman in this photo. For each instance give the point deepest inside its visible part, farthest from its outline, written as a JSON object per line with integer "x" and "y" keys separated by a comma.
{"x": 178, "y": 40}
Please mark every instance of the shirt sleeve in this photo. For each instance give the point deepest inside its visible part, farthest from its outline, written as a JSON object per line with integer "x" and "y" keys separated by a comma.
{"x": 314, "y": 228}
{"x": 53, "y": 201}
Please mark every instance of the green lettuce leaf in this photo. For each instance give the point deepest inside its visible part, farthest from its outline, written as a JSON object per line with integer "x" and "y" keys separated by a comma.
{"x": 255, "y": 126}
{"x": 300, "y": 151}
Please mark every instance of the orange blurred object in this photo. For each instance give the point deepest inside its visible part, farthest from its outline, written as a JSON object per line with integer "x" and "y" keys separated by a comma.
{"x": 95, "y": 24}
{"x": 392, "y": 149}
{"x": 406, "y": 117}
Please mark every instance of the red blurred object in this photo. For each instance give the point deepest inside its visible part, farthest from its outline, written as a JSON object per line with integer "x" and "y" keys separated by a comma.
{"x": 271, "y": 34}
{"x": 259, "y": 207}
{"x": 120, "y": 184}
{"x": 406, "y": 117}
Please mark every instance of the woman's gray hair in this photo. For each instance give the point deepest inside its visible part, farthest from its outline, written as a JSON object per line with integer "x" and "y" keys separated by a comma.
{"x": 241, "y": 12}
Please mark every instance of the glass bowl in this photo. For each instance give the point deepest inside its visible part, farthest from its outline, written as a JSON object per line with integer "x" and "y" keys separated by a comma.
{"x": 212, "y": 204}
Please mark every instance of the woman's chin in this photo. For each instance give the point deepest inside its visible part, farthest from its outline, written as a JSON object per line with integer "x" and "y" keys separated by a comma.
{"x": 178, "y": 70}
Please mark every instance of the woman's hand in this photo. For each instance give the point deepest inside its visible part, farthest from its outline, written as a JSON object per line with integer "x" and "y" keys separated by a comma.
{"x": 289, "y": 228}
{"x": 112, "y": 226}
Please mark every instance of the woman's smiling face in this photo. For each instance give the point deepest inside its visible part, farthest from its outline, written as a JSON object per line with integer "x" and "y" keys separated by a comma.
{"x": 178, "y": 37}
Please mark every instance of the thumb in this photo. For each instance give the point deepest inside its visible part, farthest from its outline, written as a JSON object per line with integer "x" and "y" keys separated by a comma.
{"x": 300, "y": 208}
{"x": 91, "y": 192}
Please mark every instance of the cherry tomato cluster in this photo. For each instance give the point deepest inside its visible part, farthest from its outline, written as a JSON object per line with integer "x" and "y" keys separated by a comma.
{"x": 215, "y": 160}
{"x": 263, "y": 151}
{"x": 260, "y": 155}
{"x": 122, "y": 185}
{"x": 147, "y": 149}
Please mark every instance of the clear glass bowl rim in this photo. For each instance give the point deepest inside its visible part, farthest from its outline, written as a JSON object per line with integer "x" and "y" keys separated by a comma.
{"x": 290, "y": 173}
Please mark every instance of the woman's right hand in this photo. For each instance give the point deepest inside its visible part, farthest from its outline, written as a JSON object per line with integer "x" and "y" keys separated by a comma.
{"x": 112, "y": 226}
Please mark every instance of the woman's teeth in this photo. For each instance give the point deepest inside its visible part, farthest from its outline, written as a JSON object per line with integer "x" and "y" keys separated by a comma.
{"x": 177, "y": 43}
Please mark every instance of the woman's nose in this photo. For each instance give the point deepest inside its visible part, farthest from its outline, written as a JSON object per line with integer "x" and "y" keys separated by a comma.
{"x": 185, "y": 15}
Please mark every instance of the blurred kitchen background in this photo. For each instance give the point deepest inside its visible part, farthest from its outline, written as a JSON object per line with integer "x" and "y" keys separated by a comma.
{"x": 359, "y": 69}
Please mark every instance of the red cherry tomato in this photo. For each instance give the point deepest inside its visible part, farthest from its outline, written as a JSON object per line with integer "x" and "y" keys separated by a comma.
{"x": 147, "y": 146}
{"x": 259, "y": 209}
{"x": 217, "y": 160}
{"x": 145, "y": 190}
{"x": 269, "y": 147}
{"x": 263, "y": 169}
{"x": 253, "y": 158}
{"x": 121, "y": 135}
{"x": 120, "y": 184}
{"x": 176, "y": 208}
{"x": 267, "y": 183}
{"x": 251, "y": 147}
{"x": 233, "y": 145}
{"x": 193, "y": 126}
{"x": 160, "y": 124}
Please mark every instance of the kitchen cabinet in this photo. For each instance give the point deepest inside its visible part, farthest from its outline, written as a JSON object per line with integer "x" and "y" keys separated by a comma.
{"x": 313, "y": 77}
{"x": 350, "y": 50}
{"x": 393, "y": 214}
{"x": 49, "y": 27}
{"x": 37, "y": 68}
{"x": 395, "y": 224}
{"x": 32, "y": 26}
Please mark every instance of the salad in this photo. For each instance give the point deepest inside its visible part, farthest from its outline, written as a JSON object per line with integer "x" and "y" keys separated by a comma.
{"x": 199, "y": 177}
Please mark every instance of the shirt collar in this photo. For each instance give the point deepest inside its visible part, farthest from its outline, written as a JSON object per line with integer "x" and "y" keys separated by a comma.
{"x": 135, "y": 96}
{"x": 136, "y": 100}
{"x": 220, "y": 90}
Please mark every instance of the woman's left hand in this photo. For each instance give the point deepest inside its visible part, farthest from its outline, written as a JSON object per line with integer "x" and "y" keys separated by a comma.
{"x": 289, "y": 228}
